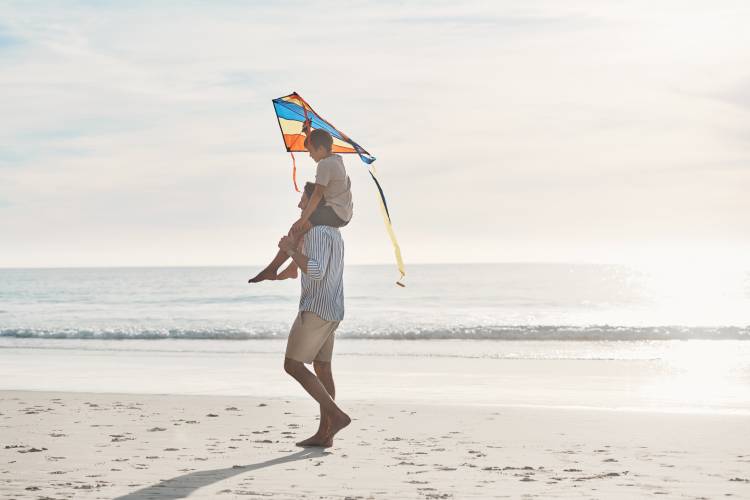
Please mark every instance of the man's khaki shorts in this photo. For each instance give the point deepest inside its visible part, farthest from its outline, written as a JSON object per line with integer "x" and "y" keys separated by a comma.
{"x": 311, "y": 338}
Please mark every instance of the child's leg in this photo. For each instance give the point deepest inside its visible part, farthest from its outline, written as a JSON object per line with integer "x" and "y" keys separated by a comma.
{"x": 271, "y": 270}
{"x": 291, "y": 270}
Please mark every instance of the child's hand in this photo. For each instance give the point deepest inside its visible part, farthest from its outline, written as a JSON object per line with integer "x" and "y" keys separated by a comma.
{"x": 306, "y": 126}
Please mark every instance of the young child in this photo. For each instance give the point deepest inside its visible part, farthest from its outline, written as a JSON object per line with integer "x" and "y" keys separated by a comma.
{"x": 329, "y": 204}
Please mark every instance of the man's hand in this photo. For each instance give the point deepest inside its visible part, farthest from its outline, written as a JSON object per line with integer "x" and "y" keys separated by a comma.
{"x": 286, "y": 244}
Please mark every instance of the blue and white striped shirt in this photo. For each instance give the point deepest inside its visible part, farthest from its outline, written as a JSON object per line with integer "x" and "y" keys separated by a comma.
{"x": 323, "y": 284}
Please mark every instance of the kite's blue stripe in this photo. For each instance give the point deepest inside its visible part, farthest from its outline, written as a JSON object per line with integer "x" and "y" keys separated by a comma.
{"x": 365, "y": 158}
{"x": 291, "y": 111}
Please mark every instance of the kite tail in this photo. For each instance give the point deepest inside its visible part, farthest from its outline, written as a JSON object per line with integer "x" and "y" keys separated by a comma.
{"x": 294, "y": 172}
{"x": 389, "y": 227}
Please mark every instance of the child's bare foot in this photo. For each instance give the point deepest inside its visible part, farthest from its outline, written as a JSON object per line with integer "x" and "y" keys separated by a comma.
{"x": 289, "y": 273}
{"x": 265, "y": 274}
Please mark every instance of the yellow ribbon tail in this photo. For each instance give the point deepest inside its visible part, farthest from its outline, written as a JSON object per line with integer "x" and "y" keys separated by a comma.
{"x": 389, "y": 229}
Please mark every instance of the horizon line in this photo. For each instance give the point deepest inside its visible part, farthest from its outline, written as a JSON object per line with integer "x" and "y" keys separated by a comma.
{"x": 437, "y": 263}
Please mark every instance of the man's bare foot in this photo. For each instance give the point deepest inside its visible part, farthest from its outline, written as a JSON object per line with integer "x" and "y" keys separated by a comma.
{"x": 335, "y": 424}
{"x": 289, "y": 273}
{"x": 265, "y": 274}
{"x": 317, "y": 440}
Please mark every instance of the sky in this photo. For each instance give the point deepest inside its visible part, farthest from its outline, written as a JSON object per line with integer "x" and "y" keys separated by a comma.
{"x": 142, "y": 133}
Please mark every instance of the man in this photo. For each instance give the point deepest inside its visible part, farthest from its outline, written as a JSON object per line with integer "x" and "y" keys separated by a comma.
{"x": 321, "y": 309}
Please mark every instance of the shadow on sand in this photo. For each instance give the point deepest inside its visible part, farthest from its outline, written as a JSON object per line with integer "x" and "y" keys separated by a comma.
{"x": 184, "y": 485}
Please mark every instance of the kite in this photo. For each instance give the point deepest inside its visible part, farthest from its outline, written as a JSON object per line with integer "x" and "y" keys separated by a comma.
{"x": 292, "y": 112}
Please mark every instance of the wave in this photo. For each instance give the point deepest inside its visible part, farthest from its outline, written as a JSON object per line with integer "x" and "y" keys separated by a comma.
{"x": 521, "y": 332}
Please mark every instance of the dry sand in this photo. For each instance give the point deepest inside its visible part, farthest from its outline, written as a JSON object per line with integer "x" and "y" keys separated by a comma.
{"x": 129, "y": 446}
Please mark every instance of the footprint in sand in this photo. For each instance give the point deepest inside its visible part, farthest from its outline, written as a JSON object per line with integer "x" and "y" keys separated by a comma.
{"x": 32, "y": 450}
{"x": 118, "y": 438}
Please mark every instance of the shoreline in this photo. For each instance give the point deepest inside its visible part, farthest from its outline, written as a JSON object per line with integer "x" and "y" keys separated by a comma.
{"x": 685, "y": 377}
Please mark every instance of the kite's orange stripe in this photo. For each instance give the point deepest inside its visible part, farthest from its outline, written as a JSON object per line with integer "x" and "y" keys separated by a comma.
{"x": 293, "y": 141}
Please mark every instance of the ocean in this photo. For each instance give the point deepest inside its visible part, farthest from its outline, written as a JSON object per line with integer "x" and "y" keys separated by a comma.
{"x": 552, "y": 335}
{"x": 463, "y": 302}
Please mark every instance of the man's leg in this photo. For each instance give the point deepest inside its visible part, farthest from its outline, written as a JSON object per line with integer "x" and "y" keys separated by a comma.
{"x": 336, "y": 418}
{"x": 323, "y": 371}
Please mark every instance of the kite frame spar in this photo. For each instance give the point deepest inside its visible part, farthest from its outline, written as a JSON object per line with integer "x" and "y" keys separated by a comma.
{"x": 294, "y": 104}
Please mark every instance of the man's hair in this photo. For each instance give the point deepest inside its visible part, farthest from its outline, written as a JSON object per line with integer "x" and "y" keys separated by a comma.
{"x": 309, "y": 188}
{"x": 321, "y": 139}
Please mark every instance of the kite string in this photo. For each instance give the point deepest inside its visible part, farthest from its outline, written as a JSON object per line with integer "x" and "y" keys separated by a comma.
{"x": 294, "y": 172}
{"x": 294, "y": 162}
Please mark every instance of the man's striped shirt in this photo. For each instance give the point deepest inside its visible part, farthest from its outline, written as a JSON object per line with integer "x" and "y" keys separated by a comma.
{"x": 323, "y": 284}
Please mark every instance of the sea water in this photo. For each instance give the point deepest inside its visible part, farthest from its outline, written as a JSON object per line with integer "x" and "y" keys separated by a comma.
{"x": 478, "y": 301}
{"x": 561, "y": 335}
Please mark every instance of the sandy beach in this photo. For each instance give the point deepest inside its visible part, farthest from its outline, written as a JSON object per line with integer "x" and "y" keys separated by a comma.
{"x": 135, "y": 446}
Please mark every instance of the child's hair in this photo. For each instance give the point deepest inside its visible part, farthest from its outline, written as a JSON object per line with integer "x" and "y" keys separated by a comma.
{"x": 321, "y": 139}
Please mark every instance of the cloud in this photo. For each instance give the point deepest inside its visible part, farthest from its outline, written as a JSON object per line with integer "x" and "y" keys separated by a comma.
{"x": 8, "y": 41}
{"x": 140, "y": 121}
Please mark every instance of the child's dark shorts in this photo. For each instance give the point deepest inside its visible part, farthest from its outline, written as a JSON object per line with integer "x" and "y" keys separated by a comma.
{"x": 325, "y": 216}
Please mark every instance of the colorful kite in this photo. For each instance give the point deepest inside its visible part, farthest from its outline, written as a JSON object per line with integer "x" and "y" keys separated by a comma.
{"x": 292, "y": 112}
